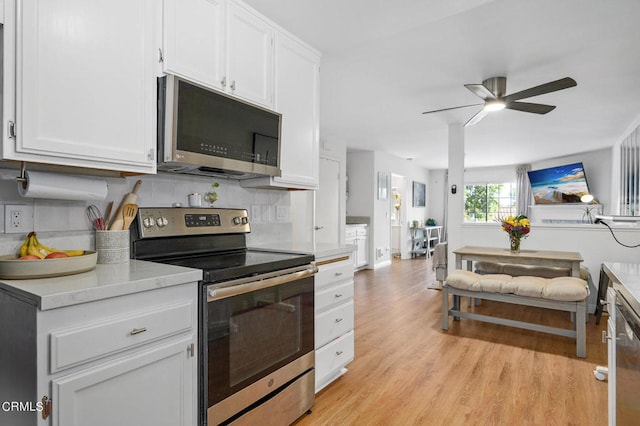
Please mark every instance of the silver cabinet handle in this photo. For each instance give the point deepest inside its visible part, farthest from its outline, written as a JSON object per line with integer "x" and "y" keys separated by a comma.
{"x": 337, "y": 295}
{"x": 338, "y": 319}
{"x": 317, "y": 228}
{"x": 224, "y": 82}
{"x": 233, "y": 85}
{"x": 605, "y": 337}
{"x": 138, "y": 331}
{"x": 338, "y": 353}
{"x": 337, "y": 274}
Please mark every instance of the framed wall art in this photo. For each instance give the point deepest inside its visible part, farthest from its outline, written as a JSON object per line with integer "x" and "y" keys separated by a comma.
{"x": 418, "y": 194}
{"x": 383, "y": 186}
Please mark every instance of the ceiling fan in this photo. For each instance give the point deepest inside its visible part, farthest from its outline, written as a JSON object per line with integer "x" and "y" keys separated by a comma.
{"x": 492, "y": 91}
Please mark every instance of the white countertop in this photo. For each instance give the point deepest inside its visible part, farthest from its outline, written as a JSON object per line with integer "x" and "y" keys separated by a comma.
{"x": 103, "y": 282}
{"x": 319, "y": 250}
{"x": 626, "y": 275}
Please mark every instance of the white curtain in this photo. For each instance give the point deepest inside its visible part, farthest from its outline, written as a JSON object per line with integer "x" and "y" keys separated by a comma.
{"x": 523, "y": 189}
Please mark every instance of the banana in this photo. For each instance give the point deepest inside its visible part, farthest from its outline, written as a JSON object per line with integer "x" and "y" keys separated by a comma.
{"x": 48, "y": 250}
{"x": 32, "y": 248}
{"x": 24, "y": 247}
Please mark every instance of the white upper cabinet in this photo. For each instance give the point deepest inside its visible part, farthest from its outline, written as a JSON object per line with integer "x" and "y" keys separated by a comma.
{"x": 194, "y": 40}
{"x": 85, "y": 87}
{"x": 249, "y": 56}
{"x": 220, "y": 44}
{"x": 297, "y": 86}
{"x": 297, "y": 99}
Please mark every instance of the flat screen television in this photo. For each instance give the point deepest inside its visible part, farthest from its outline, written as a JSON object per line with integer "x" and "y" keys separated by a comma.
{"x": 558, "y": 185}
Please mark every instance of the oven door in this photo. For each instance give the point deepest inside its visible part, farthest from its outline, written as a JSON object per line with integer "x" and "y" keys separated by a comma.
{"x": 257, "y": 337}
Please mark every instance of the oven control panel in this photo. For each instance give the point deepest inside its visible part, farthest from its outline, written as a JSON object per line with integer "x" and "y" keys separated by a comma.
{"x": 176, "y": 221}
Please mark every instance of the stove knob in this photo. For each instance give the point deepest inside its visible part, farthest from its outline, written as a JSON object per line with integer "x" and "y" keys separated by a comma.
{"x": 148, "y": 222}
{"x": 245, "y": 220}
{"x": 161, "y": 222}
{"x": 236, "y": 220}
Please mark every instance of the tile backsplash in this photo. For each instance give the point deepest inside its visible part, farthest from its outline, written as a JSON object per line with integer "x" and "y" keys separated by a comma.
{"x": 64, "y": 224}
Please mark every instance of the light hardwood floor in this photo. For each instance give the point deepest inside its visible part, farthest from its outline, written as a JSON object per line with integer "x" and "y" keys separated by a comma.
{"x": 407, "y": 371}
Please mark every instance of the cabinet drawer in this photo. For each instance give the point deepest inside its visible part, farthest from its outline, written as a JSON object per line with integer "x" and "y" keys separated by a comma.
{"x": 76, "y": 346}
{"x": 333, "y": 295}
{"x": 333, "y": 323}
{"x": 334, "y": 356}
{"x": 336, "y": 272}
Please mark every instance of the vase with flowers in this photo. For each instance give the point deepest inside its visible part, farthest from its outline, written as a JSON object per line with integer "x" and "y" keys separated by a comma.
{"x": 518, "y": 227}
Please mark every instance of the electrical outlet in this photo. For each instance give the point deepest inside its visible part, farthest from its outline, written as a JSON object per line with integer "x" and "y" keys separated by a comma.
{"x": 18, "y": 218}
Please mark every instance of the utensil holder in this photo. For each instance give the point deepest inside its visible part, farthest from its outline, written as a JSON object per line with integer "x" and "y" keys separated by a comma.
{"x": 112, "y": 246}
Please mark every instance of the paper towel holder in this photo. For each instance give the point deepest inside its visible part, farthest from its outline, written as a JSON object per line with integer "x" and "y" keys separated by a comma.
{"x": 22, "y": 178}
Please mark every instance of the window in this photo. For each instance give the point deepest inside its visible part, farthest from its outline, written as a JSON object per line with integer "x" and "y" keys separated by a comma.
{"x": 488, "y": 202}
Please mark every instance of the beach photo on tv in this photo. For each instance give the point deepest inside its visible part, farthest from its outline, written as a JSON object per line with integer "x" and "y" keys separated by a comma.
{"x": 556, "y": 185}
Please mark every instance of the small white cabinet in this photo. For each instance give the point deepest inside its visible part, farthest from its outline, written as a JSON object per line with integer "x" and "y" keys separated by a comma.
{"x": 358, "y": 235}
{"x": 249, "y": 55}
{"x": 334, "y": 318}
{"x": 221, "y": 44}
{"x": 85, "y": 88}
{"x": 194, "y": 40}
{"x": 126, "y": 360}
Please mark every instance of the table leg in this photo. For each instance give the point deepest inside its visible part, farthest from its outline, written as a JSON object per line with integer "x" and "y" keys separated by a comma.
{"x": 603, "y": 284}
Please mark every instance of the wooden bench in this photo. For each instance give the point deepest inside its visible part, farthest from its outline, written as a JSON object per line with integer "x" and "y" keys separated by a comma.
{"x": 562, "y": 293}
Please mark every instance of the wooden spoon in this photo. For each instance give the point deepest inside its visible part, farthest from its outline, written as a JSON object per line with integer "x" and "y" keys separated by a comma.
{"x": 129, "y": 212}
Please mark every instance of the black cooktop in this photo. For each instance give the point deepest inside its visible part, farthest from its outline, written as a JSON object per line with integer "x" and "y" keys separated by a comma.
{"x": 219, "y": 267}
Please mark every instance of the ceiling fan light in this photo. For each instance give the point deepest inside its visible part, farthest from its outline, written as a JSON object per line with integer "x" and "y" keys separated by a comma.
{"x": 494, "y": 105}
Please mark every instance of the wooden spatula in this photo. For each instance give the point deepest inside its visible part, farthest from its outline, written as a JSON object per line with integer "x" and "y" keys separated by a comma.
{"x": 129, "y": 212}
{"x": 129, "y": 198}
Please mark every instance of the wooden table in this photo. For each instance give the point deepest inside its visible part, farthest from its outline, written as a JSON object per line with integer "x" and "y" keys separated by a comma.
{"x": 564, "y": 259}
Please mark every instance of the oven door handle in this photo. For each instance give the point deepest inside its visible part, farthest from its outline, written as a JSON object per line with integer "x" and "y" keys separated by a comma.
{"x": 234, "y": 290}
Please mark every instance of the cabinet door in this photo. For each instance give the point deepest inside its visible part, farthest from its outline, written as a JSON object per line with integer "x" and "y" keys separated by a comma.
{"x": 194, "y": 34}
{"x": 249, "y": 56}
{"x": 297, "y": 83}
{"x": 154, "y": 387}
{"x": 351, "y": 241}
{"x": 85, "y": 84}
{"x": 362, "y": 252}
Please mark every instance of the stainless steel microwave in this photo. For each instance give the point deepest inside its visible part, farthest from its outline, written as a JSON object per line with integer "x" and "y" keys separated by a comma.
{"x": 205, "y": 132}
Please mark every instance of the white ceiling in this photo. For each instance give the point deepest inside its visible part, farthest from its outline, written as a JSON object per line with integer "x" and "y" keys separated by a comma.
{"x": 385, "y": 62}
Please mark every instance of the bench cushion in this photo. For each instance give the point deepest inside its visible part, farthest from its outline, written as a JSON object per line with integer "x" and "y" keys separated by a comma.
{"x": 568, "y": 289}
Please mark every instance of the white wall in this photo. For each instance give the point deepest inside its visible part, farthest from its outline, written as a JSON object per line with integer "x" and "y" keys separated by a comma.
{"x": 362, "y": 170}
{"x": 64, "y": 224}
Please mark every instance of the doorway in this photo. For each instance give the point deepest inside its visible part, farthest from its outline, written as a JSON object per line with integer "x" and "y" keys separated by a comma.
{"x": 398, "y": 214}
{"x": 327, "y": 203}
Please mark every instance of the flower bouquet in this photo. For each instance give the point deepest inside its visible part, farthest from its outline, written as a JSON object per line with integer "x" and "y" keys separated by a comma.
{"x": 517, "y": 227}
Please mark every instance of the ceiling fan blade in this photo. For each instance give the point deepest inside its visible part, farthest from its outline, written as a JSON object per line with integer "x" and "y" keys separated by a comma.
{"x": 563, "y": 83}
{"x": 447, "y": 109}
{"x": 479, "y": 116}
{"x": 481, "y": 91}
{"x": 529, "y": 107}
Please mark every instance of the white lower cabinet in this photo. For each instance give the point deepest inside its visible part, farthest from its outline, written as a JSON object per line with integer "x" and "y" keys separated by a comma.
{"x": 334, "y": 318}
{"x": 357, "y": 235}
{"x": 150, "y": 387}
{"x": 126, "y": 360}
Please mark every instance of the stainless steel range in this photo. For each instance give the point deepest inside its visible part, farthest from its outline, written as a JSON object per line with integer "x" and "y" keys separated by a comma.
{"x": 256, "y": 326}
